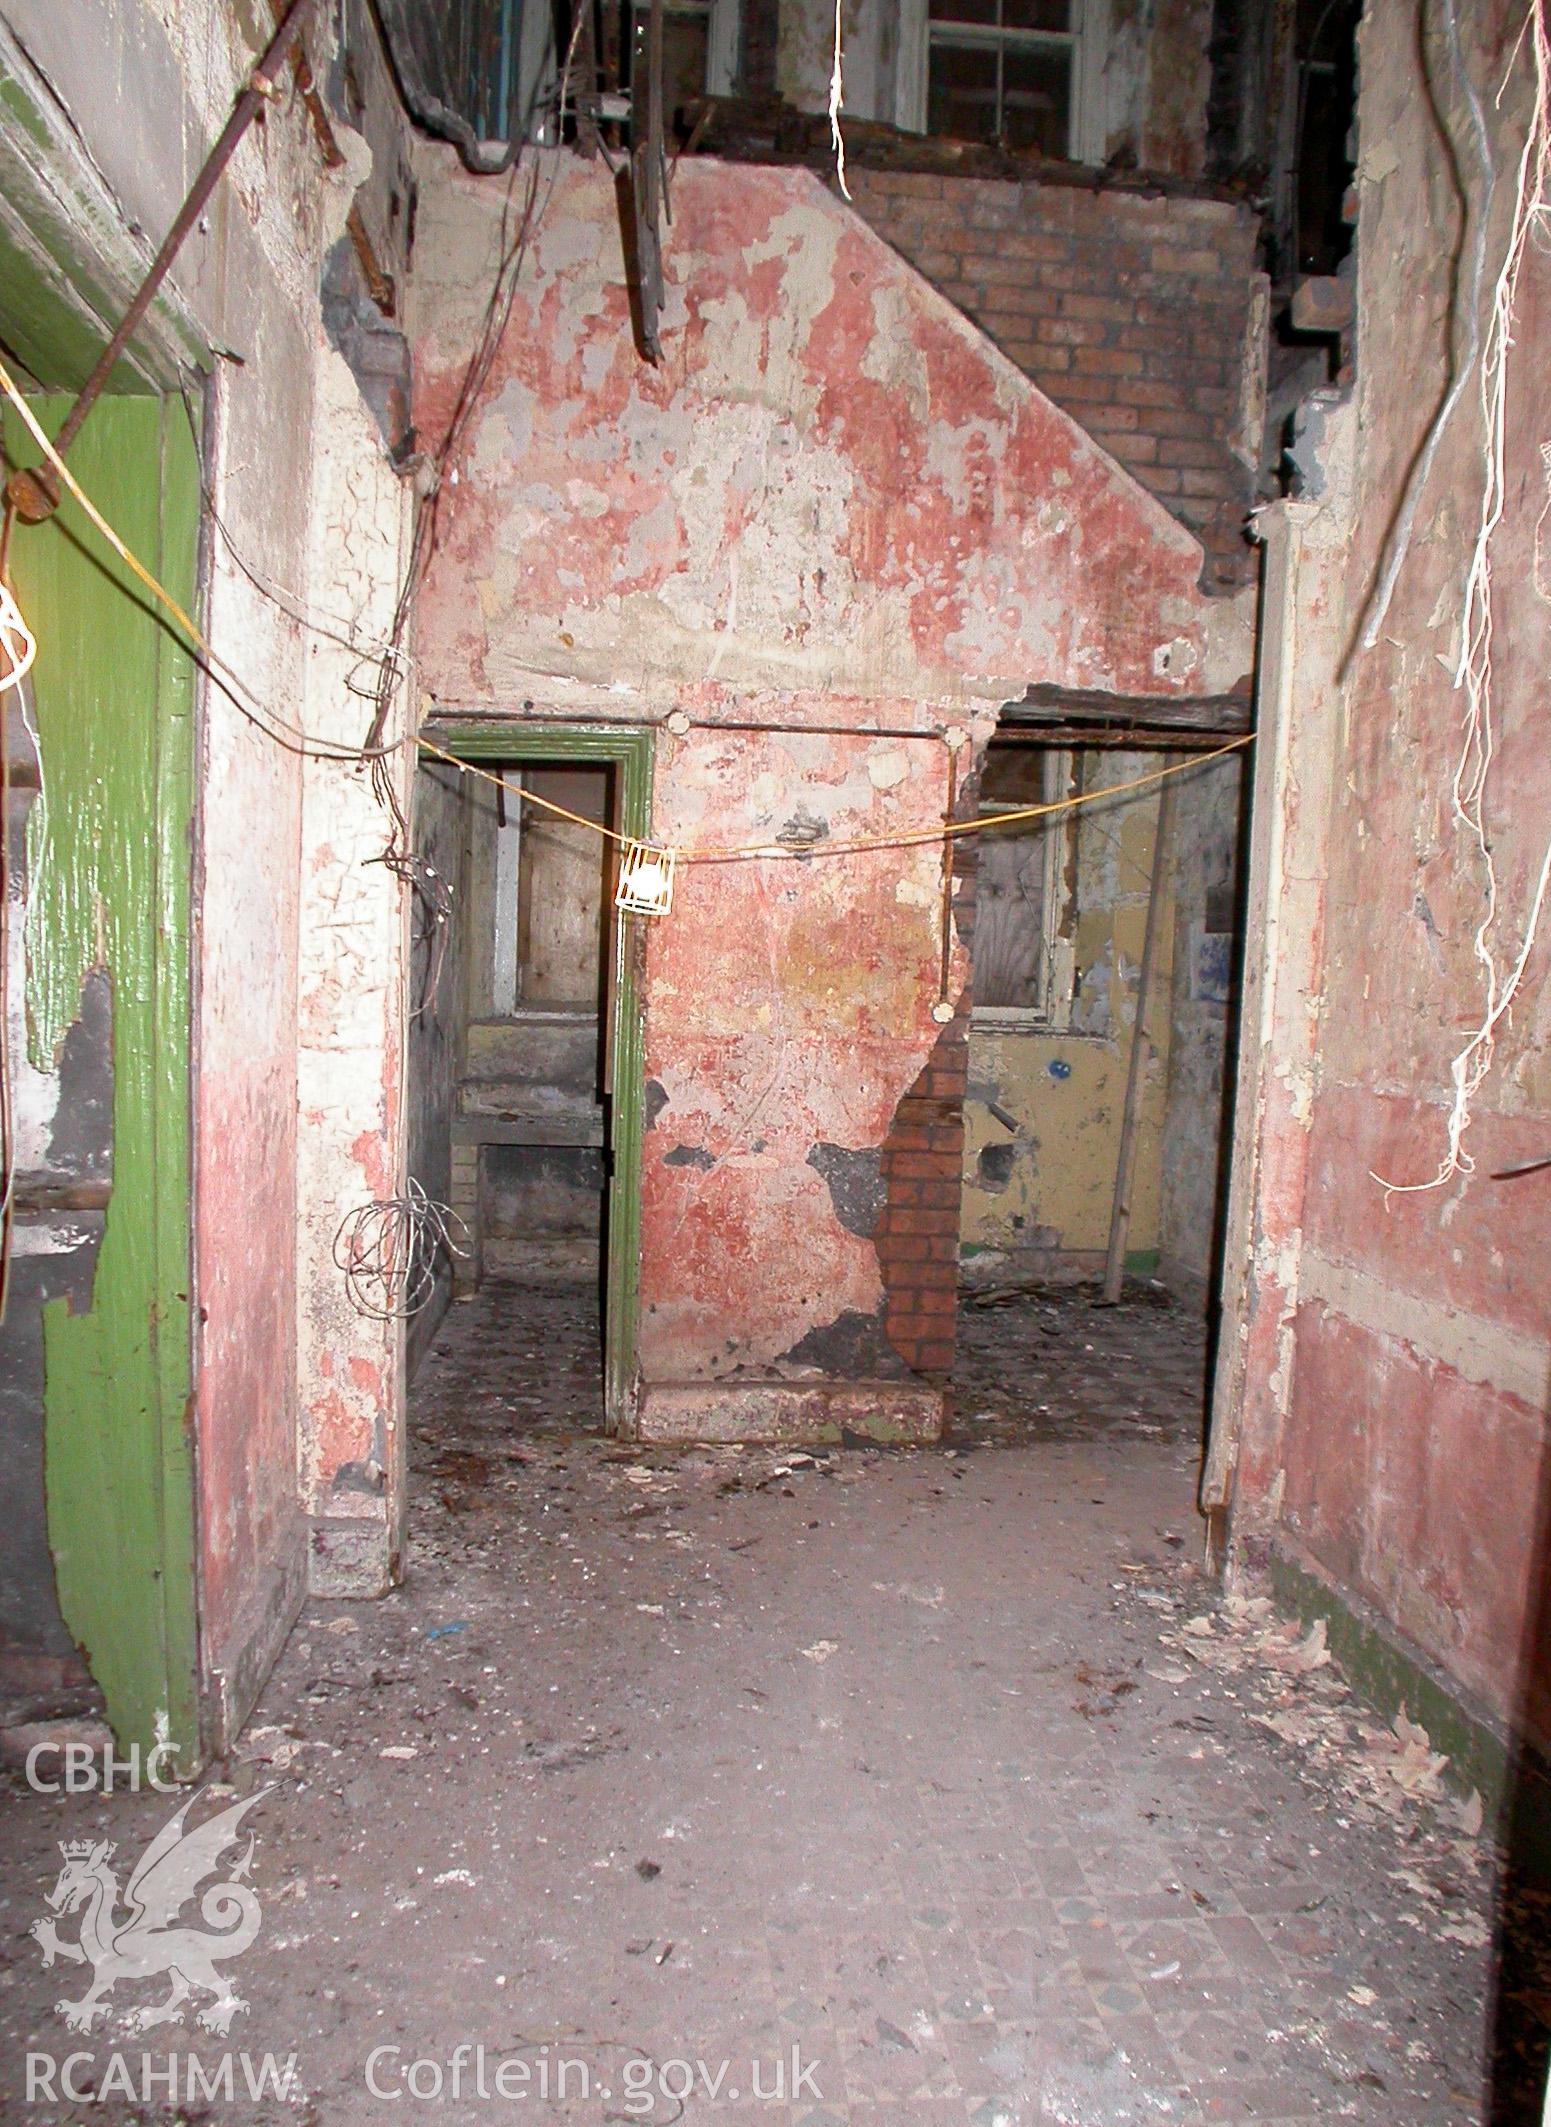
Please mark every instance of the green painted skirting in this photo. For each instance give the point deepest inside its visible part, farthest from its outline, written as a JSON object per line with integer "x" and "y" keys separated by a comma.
{"x": 109, "y": 881}
{"x": 1514, "y": 1782}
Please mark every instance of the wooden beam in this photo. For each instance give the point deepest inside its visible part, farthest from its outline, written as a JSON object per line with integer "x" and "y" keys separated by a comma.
{"x": 1214, "y": 712}
{"x": 1134, "y": 738}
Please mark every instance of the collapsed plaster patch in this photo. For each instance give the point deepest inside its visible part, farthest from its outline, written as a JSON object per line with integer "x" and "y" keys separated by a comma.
{"x": 853, "y": 1347}
{"x": 855, "y": 1179}
{"x": 654, "y": 1100}
{"x": 994, "y": 1168}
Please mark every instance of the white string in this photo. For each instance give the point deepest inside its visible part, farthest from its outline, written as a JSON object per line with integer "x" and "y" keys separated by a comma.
{"x": 836, "y": 99}
{"x": 1473, "y": 668}
{"x": 16, "y": 639}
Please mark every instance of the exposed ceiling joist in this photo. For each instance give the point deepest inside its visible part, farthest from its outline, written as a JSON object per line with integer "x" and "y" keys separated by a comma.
{"x": 1079, "y": 716}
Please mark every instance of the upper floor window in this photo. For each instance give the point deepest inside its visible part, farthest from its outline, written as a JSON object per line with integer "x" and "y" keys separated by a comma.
{"x": 1020, "y": 74}
{"x": 699, "y": 47}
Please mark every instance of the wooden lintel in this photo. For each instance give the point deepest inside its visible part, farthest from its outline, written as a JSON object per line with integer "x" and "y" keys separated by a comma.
{"x": 1135, "y": 738}
{"x": 1229, "y": 713}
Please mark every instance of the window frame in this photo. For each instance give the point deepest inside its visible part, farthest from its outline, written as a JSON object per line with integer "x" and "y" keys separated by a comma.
{"x": 1087, "y": 40}
{"x": 721, "y": 18}
{"x": 1052, "y": 1013}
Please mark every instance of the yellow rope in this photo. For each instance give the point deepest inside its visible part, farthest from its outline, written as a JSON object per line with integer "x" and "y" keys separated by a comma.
{"x": 273, "y": 725}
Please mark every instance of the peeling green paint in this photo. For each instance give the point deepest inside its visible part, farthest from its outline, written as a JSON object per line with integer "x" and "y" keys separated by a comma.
{"x": 109, "y": 873}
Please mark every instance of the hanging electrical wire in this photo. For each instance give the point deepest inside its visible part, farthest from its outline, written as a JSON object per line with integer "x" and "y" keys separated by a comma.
{"x": 856, "y": 845}
{"x": 390, "y": 1250}
{"x": 1502, "y": 980}
{"x": 1465, "y": 326}
{"x": 400, "y": 859}
{"x": 837, "y": 94}
{"x": 518, "y": 226}
{"x": 225, "y": 677}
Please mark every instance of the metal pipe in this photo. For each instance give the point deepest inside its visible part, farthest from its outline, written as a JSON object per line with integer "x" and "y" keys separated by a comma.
{"x": 34, "y": 493}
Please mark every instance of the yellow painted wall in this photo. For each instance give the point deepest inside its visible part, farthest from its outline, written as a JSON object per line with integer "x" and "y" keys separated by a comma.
{"x": 1067, "y": 1090}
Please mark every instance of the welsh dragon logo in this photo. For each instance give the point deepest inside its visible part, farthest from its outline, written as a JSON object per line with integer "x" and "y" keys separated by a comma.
{"x": 144, "y": 1942}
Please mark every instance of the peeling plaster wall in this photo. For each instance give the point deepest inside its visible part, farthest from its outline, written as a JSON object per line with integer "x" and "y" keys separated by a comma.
{"x": 1140, "y": 313}
{"x": 288, "y": 927}
{"x": 1393, "y": 1349}
{"x": 838, "y": 518}
{"x": 833, "y": 482}
{"x": 352, "y": 950}
{"x": 1042, "y": 1207}
{"x": 767, "y": 981}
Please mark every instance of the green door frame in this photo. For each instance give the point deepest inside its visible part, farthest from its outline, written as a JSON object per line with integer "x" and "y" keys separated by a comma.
{"x": 630, "y": 750}
{"x": 110, "y": 880}
{"x": 109, "y": 887}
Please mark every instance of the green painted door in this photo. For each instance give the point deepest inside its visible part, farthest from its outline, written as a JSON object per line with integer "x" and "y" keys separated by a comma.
{"x": 109, "y": 879}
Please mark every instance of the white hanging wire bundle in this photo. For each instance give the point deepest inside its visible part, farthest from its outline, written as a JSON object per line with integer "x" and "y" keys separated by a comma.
{"x": 1503, "y": 972}
{"x": 837, "y": 96}
{"x": 17, "y": 641}
{"x": 389, "y": 1249}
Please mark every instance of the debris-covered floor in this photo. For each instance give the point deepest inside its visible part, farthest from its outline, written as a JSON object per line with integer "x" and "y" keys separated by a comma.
{"x": 937, "y": 1785}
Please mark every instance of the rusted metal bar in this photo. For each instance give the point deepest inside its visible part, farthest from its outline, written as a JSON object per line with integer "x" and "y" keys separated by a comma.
{"x": 35, "y": 493}
{"x": 610, "y": 57}
{"x": 41, "y": 1199}
{"x": 379, "y": 282}
{"x": 584, "y": 72}
{"x": 646, "y": 173}
{"x": 307, "y": 88}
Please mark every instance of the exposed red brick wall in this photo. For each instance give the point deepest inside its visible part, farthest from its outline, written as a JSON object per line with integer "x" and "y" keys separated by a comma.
{"x": 918, "y": 1235}
{"x": 1129, "y": 310}
{"x": 922, "y": 1168}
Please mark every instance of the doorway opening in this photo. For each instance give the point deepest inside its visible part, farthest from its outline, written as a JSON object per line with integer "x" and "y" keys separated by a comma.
{"x": 524, "y": 1078}
{"x": 1105, "y": 952}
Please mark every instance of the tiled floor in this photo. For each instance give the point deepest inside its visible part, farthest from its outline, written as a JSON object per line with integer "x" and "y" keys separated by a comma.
{"x": 902, "y": 1769}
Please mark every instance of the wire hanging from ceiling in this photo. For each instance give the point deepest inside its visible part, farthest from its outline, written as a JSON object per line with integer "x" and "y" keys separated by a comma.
{"x": 1503, "y": 977}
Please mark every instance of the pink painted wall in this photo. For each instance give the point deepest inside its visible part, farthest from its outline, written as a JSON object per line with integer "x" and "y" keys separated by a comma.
{"x": 837, "y": 517}
{"x": 832, "y": 480}
{"x": 1395, "y": 1429}
{"x": 789, "y": 1009}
